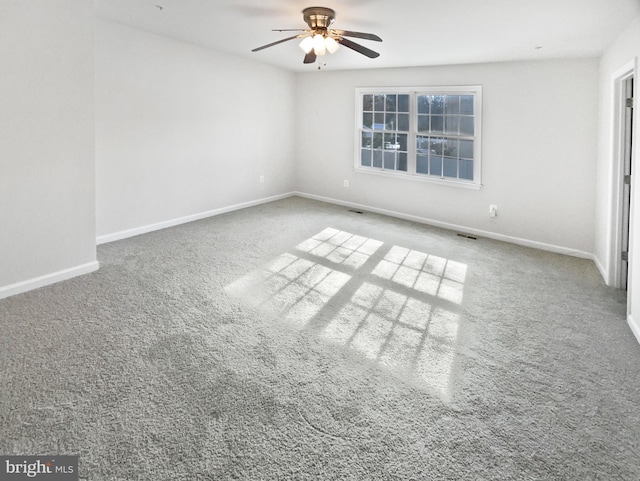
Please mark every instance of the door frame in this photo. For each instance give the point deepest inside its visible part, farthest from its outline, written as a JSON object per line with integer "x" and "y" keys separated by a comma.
{"x": 626, "y": 139}
{"x": 619, "y": 80}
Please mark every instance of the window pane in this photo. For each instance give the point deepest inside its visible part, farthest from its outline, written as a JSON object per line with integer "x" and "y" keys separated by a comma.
{"x": 389, "y": 141}
{"x": 423, "y": 104}
{"x": 367, "y": 120}
{"x": 402, "y": 161}
{"x": 466, "y": 149}
{"x": 451, "y": 167}
{"x": 379, "y": 103}
{"x": 422, "y": 166}
{"x": 466, "y": 169}
{"x": 377, "y": 158}
{"x": 423, "y": 123}
{"x": 390, "y": 122}
{"x": 466, "y": 126}
{"x": 435, "y": 164}
{"x": 466, "y": 105}
{"x": 452, "y": 124}
{"x": 378, "y": 122}
{"x": 437, "y": 123}
{"x": 377, "y": 140}
{"x": 437, "y": 104}
{"x": 390, "y": 160}
{"x": 367, "y": 103}
{"x": 452, "y": 104}
{"x": 391, "y": 103}
{"x": 450, "y": 148}
{"x": 365, "y": 157}
{"x": 436, "y": 145}
{"x": 422, "y": 144}
{"x": 366, "y": 139}
{"x": 403, "y": 103}
{"x": 403, "y": 140}
{"x": 403, "y": 122}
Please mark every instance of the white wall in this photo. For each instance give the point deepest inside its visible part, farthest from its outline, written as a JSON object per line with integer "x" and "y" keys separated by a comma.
{"x": 624, "y": 52}
{"x": 182, "y": 130}
{"x": 539, "y": 149}
{"x": 47, "y": 207}
{"x": 173, "y": 140}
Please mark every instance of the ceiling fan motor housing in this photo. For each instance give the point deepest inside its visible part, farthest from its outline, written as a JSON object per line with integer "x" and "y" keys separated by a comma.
{"x": 318, "y": 17}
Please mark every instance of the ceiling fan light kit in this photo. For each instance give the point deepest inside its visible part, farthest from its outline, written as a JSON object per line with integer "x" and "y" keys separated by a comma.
{"x": 319, "y": 38}
{"x": 318, "y": 45}
{"x": 307, "y": 44}
{"x": 331, "y": 44}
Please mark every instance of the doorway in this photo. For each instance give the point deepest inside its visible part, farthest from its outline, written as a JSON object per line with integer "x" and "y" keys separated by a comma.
{"x": 626, "y": 138}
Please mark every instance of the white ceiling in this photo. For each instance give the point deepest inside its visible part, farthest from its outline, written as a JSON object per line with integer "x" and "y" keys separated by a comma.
{"x": 414, "y": 32}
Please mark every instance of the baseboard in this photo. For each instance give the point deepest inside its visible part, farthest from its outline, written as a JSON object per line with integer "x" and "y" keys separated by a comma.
{"x": 635, "y": 327}
{"x": 42, "y": 281}
{"x": 422, "y": 220}
{"x": 454, "y": 227}
{"x": 103, "y": 239}
{"x": 603, "y": 272}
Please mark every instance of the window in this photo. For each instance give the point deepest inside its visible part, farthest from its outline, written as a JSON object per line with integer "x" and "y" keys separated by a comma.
{"x": 430, "y": 133}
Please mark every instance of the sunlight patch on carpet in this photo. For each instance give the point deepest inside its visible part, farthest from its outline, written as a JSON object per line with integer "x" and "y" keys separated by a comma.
{"x": 295, "y": 287}
{"x": 340, "y": 247}
{"x": 399, "y": 332}
{"x": 430, "y": 274}
{"x": 393, "y": 305}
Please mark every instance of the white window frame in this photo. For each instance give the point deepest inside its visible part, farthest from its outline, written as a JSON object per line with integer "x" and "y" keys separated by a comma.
{"x": 411, "y": 173}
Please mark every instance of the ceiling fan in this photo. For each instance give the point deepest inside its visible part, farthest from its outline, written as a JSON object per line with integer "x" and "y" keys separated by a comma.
{"x": 319, "y": 38}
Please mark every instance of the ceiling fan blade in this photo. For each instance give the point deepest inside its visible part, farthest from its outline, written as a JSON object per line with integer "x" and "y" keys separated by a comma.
{"x": 358, "y": 48}
{"x": 274, "y": 43}
{"x": 366, "y": 36}
{"x": 288, "y": 30}
{"x": 310, "y": 57}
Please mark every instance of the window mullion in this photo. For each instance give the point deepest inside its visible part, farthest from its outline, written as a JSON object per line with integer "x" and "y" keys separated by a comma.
{"x": 412, "y": 139}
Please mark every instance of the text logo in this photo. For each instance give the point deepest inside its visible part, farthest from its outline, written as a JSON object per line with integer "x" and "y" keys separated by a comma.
{"x": 45, "y": 468}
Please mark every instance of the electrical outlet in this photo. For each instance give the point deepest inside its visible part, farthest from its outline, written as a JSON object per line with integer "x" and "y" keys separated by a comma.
{"x": 262, "y": 179}
{"x": 493, "y": 210}
{"x": 346, "y": 183}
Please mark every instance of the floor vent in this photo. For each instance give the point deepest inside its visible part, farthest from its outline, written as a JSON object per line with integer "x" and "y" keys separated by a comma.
{"x": 467, "y": 236}
{"x": 355, "y": 211}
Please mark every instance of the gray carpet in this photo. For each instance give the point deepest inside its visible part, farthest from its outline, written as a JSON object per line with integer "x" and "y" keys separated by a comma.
{"x": 299, "y": 340}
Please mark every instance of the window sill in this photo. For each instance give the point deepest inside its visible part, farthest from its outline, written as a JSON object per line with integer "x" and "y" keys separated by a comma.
{"x": 419, "y": 178}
